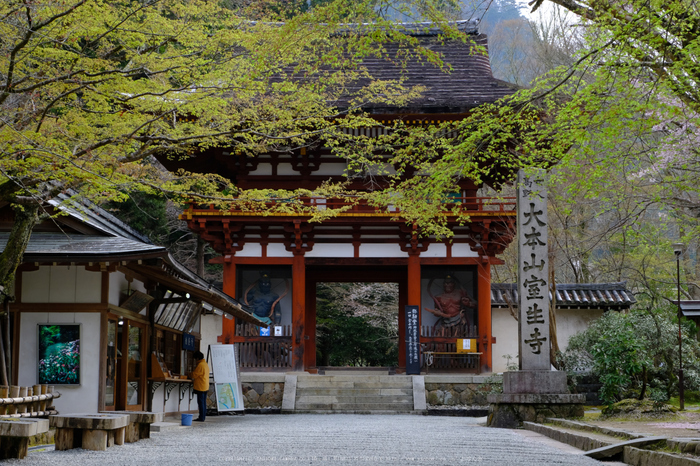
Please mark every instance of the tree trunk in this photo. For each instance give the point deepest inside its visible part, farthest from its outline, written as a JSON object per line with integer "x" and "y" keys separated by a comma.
{"x": 200, "y": 256}
{"x": 26, "y": 217}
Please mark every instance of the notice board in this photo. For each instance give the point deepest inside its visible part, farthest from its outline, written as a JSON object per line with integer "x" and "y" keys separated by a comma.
{"x": 412, "y": 340}
{"x": 227, "y": 381}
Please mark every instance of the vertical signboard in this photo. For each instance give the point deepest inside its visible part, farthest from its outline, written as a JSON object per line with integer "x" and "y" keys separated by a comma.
{"x": 227, "y": 383}
{"x": 533, "y": 270}
{"x": 412, "y": 341}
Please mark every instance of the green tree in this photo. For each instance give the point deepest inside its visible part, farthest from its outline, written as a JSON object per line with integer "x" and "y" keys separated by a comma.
{"x": 356, "y": 324}
{"x": 90, "y": 90}
{"x": 635, "y": 354}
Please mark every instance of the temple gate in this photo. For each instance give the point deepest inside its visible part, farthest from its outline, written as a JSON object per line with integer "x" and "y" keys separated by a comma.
{"x": 272, "y": 261}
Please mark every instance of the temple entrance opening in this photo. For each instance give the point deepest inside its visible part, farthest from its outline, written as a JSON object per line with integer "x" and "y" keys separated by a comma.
{"x": 357, "y": 324}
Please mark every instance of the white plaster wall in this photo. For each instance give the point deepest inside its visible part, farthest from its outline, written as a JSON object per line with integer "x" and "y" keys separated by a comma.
{"x": 171, "y": 406}
{"x": 330, "y": 169}
{"x": 211, "y": 328}
{"x": 278, "y": 250}
{"x": 435, "y": 250}
{"x": 119, "y": 285}
{"x": 284, "y": 169}
{"x": 505, "y": 328}
{"x": 250, "y": 250}
{"x": 61, "y": 284}
{"x": 332, "y": 250}
{"x": 381, "y": 250}
{"x": 462, "y": 250}
{"x": 263, "y": 169}
{"x": 573, "y": 321}
{"x": 74, "y": 399}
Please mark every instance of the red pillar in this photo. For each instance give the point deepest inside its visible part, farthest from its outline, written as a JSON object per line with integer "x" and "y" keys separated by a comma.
{"x": 484, "y": 296}
{"x": 298, "y": 311}
{"x": 228, "y": 327}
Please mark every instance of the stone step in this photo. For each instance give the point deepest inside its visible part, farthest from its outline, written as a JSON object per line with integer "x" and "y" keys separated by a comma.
{"x": 315, "y": 391}
{"x": 388, "y": 400}
{"x": 359, "y": 411}
{"x": 354, "y": 378}
{"x": 351, "y": 384}
{"x": 353, "y": 407}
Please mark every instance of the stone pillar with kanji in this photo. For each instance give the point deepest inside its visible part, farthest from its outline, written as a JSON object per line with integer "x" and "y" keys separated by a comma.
{"x": 535, "y": 391}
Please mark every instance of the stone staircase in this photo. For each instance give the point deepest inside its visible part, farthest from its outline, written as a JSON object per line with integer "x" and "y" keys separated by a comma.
{"x": 356, "y": 393}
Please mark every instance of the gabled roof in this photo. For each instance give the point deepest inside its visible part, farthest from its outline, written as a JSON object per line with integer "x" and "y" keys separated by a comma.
{"x": 606, "y": 296}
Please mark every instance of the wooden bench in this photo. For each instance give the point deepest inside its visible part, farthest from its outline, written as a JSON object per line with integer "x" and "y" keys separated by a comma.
{"x": 429, "y": 358}
{"x": 15, "y": 434}
{"x": 139, "y": 424}
{"x": 89, "y": 431}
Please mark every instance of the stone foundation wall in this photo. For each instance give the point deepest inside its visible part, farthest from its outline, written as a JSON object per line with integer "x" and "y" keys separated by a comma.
{"x": 453, "y": 390}
{"x": 262, "y": 390}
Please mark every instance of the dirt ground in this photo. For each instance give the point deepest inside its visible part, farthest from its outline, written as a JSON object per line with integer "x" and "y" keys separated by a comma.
{"x": 684, "y": 424}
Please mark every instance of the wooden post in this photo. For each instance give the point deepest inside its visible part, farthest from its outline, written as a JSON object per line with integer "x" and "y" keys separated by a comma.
{"x": 483, "y": 284}
{"x": 4, "y": 393}
{"x": 64, "y": 439}
{"x": 298, "y": 311}
{"x": 42, "y": 404}
{"x": 36, "y": 391}
{"x": 228, "y": 326}
{"x": 22, "y": 394}
{"x": 14, "y": 393}
{"x": 94, "y": 439}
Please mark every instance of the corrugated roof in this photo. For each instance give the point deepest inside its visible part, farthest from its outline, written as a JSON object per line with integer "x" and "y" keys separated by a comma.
{"x": 577, "y": 295}
{"x": 122, "y": 243}
{"x": 95, "y": 216}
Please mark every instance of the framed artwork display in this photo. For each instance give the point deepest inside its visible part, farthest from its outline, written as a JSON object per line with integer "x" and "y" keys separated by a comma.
{"x": 59, "y": 354}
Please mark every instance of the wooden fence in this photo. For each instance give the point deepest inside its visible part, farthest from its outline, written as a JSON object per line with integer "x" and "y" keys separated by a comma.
{"x": 27, "y": 401}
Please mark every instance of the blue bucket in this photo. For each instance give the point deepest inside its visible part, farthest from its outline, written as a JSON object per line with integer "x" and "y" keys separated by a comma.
{"x": 187, "y": 419}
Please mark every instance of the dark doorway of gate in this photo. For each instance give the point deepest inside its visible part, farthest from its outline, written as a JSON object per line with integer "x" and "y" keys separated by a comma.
{"x": 357, "y": 324}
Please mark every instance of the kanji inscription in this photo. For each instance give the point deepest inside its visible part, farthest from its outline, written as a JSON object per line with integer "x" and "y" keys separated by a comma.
{"x": 533, "y": 267}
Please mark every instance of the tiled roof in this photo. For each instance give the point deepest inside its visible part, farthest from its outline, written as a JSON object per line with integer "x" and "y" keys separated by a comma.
{"x": 578, "y": 295}
{"x": 468, "y": 84}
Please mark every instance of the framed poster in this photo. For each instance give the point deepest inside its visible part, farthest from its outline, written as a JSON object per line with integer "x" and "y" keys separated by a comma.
{"x": 227, "y": 383}
{"x": 59, "y": 354}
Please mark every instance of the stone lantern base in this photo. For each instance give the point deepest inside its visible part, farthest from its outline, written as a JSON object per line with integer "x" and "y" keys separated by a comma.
{"x": 533, "y": 396}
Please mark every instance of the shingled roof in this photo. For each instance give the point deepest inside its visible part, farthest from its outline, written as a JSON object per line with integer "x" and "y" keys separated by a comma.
{"x": 606, "y": 296}
{"x": 468, "y": 84}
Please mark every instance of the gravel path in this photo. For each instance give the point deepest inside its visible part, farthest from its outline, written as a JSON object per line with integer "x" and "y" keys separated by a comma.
{"x": 307, "y": 439}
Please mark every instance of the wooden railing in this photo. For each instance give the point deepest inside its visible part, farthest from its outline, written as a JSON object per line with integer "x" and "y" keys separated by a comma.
{"x": 244, "y": 329}
{"x": 273, "y": 354}
{"x": 259, "y": 352}
{"x": 27, "y": 401}
{"x": 444, "y": 340}
{"x": 310, "y": 204}
{"x": 458, "y": 331}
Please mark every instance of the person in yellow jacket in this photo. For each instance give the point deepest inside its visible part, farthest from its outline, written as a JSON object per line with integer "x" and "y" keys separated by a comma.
{"x": 200, "y": 382}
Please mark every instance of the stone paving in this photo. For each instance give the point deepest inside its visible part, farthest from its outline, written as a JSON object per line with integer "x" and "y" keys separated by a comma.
{"x": 335, "y": 439}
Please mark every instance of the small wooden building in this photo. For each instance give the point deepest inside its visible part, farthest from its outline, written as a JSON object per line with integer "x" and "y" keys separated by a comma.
{"x": 100, "y": 312}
